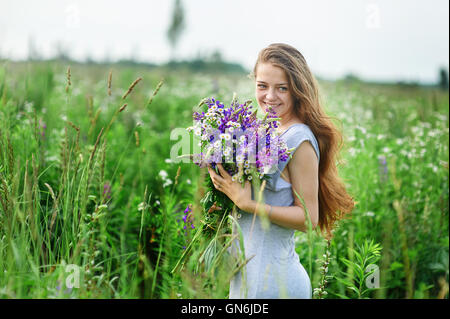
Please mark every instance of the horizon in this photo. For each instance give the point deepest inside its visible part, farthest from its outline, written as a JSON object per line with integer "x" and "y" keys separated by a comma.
{"x": 375, "y": 40}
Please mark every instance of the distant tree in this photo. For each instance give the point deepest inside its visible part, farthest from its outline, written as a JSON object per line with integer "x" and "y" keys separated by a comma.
{"x": 33, "y": 52}
{"x": 351, "y": 77}
{"x": 176, "y": 27}
{"x": 443, "y": 78}
{"x": 61, "y": 52}
{"x": 89, "y": 59}
{"x": 216, "y": 56}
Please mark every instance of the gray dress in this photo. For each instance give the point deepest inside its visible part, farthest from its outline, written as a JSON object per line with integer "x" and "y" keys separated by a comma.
{"x": 274, "y": 270}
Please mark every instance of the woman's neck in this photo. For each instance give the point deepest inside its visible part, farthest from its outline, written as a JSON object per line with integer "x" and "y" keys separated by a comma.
{"x": 285, "y": 124}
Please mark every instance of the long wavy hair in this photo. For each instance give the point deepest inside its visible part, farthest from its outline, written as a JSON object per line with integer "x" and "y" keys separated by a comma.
{"x": 334, "y": 201}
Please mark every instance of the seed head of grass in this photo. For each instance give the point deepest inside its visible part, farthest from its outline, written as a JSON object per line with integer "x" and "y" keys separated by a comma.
{"x": 156, "y": 92}
{"x": 131, "y": 88}
{"x": 109, "y": 82}
{"x": 69, "y": 83}
{"x": 123, "y": 107}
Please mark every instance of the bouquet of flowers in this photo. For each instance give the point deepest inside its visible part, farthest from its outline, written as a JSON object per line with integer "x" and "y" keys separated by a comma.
{"x": 248, "y": 146}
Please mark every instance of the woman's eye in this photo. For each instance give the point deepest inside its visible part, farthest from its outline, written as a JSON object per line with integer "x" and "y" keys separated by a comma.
{"x": 262, "y": 86}
{"x": 282, "y": 88}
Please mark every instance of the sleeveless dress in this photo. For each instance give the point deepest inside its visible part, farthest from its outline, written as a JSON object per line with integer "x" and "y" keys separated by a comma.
{"x": 274, "y": 270}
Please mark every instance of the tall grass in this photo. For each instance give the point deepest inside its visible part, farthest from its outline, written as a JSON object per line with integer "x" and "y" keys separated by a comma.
{"x": 87, "y": 187}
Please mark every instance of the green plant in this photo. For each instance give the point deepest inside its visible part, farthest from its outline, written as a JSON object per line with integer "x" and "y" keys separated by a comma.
{"x": 367, "y": 256}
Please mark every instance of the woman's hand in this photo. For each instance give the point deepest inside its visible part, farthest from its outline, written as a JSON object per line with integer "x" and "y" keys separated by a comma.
{"x": 241, "y": 197}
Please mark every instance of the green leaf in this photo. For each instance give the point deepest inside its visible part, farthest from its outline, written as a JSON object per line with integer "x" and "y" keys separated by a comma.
{"x": 344, "y": 281}
{"x": 354, "y": 289}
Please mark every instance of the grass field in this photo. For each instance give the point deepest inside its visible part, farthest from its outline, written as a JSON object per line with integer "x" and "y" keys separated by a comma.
{"x": 91, "y": 204}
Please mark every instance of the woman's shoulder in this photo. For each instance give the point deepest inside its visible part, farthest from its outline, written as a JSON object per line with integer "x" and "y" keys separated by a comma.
{"x": 299, "y": 127}
{"x": 298, "y": 130}
{"x": 298, "y": 133}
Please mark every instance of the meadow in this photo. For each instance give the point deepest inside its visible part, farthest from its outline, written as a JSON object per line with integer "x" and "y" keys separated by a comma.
{"x": 91, "y": 204}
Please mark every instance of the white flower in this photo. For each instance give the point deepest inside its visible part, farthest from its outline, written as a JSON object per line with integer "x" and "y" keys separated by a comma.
{"x": 163, "y": 174}
{"x": 198, "y": 131}
{"x": 227, "y": 151}
{"x": 362, "y": 129}
{"x": 168, "y": 161}
{"x": 352, "y": 151}
{"x": 225, "y": 136}
{"x": 28, "y": 107}
{"x": 433, "y": 167}
{"x": 167, "y": 182}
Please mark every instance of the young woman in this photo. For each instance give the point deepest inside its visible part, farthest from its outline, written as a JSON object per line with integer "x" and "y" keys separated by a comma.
{"x": 284, "y": 82}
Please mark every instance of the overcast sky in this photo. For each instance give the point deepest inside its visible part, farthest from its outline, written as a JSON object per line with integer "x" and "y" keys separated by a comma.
{"x": 376, "y": 39}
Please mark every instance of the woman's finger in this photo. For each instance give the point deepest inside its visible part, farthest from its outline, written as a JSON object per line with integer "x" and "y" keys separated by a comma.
{"x": 223, "y": 172}
{"x": 214, "y": 176}
{"x": 216, "y": 180}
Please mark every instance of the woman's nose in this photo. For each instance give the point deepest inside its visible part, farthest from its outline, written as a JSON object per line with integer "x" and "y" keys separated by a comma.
{"x": 270, "y": 94}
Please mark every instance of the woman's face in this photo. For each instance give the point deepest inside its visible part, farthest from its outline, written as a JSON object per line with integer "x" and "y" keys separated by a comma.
{"x": 272, "y": 88}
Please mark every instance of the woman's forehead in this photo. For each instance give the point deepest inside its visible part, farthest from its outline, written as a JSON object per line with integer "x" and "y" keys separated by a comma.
{"x": 269, "y": 73}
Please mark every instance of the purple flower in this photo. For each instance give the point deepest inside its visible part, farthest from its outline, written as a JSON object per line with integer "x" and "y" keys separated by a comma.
{"x": 42, "y": 127}
{"x": 222, "y": 130}
{"x": 187, "y": 219}
{"x": 107, "y": 191}
{"x": 383, "y": 169}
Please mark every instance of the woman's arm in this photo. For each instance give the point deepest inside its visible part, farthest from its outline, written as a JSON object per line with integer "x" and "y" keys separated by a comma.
{"x": 303, "y": 172}
{"x": 304, "y": 178}
{"x": 286, "y": 216}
